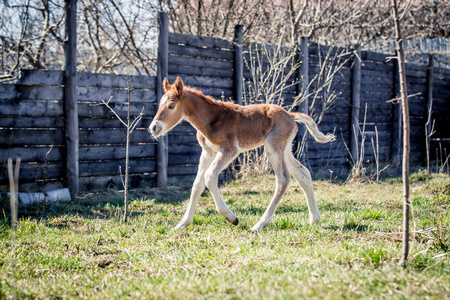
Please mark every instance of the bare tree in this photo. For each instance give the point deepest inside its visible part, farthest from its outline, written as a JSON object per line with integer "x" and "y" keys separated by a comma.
{"x": 130, "y": 125}
{"x": 406, "y": 131}
{"x": 345, "y": 21}
{"x": 31, "y": 35}
{"x": 114, "y": 36}
{"x": 118, "y": 37}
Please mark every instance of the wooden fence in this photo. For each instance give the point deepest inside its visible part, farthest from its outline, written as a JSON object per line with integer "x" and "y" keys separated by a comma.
{"x": 32, "y": 126}
{"x": 32, "y": 115}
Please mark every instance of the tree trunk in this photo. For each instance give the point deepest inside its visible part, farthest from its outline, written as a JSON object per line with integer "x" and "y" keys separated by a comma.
{"x": 406, "y": 131}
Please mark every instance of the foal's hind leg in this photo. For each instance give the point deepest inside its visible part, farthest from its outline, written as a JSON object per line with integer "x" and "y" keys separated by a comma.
{"x": 275, "y": 152}
{"x": 223, "y": 158}
{"x": 303, "y": 177}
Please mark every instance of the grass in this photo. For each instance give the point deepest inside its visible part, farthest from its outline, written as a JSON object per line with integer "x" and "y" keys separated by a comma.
{"x": 83, "y": 250}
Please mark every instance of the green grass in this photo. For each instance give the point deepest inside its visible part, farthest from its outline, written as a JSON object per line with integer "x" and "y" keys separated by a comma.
{"x": 83, "y": 250}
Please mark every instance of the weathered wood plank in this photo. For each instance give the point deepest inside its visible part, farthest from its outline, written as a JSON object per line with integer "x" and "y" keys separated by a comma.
{"x": 92, "y": 94}
{"x": 40, "y": 77}
{"x": 31, "y": 122}
{"x": 109, "y": 123}
{"x": 88, "y": 110}
{"x": 375, "y": 56}
{"x": 413, "y": 72}
{"x": 174, "y": 170}
{"x": 116, "y": 81}
{"x": 8, "y": 91}
{"x": 209, "y": 82}
{"x": 31, "y": 108}
{"x": 376, "y": 80}
{"x": 441, "y": 71}
{"x": 111, "y": 167}
{"x": 55, "y": 78}
{"x": 33, "y": 154}
{"x": 16, "y": 137}
{"x": 184, "y": 70}
{"x": 377, "y": 66}
{"x": 179, "y": 159}
{"x": 367, "y": 86}
{"x": 182, "y": 138}
{"x": 207, "y": 53}
{"x": 36, "y": 172}
{"x": 116, "y": 152}
{"x": 112, "y": 136}
{"x": 97, "y": 94}
{"x": 186, "y": 149}
{"x": 40, "y": 92}
{"x": 376, "y": 73}
{"x": 199, "y": 62}
{"x": 199, "y": 41}
{"x": 181, "y": 179}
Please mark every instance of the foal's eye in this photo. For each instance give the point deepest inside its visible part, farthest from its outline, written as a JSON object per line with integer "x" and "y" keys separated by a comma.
{"x": 171, "y": 106}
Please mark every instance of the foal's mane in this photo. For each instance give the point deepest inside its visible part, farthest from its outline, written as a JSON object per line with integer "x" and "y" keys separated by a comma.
{"x": 206, "y": 97}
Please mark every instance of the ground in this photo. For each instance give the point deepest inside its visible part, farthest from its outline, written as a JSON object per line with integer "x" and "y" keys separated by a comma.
{"x": 83, "y": 250}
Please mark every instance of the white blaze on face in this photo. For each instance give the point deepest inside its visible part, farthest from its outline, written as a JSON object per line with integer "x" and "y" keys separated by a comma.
{"x": 157, "y": 127}
{"x": 163, "y": 101}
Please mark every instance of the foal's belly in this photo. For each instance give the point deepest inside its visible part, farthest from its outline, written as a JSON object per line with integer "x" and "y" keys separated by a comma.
{"x": 245, "y": 146}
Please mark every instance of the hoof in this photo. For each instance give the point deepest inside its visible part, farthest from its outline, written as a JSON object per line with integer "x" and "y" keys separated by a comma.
{"x": 314, "y": 221}
{"x": 258, "y": 227}
{"x": 182, "y": 226}
{"x": 234, "y": 222}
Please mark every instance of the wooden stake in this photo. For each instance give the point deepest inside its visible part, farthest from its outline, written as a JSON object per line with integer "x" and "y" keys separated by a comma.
{"x": 72, "y": 135}
{"x": 162, "y": 155}
{"x": 13, "y": 189}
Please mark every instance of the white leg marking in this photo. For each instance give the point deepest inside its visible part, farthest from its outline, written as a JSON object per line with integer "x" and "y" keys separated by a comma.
{"x": 199, "y": 186}
{"x": 277, "y": 160}
{"x": 223, "y": 158}
{"x": 303, "y": 177}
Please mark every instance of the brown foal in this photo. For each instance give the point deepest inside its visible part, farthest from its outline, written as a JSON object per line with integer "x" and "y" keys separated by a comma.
{"x": 224, "y": 130}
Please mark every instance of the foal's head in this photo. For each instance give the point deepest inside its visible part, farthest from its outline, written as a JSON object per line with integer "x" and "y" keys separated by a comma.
{"x": 171, "y": 108}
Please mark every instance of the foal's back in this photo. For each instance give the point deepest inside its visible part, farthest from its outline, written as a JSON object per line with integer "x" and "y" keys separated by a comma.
{"x": 249, "y": 125}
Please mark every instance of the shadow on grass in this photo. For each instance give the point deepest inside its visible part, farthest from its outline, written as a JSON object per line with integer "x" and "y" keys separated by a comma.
{"x": 351, "y": 227}
{"x": 105, "y": 204}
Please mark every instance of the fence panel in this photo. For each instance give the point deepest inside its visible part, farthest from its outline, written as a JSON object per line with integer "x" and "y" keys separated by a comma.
{"x": 32, "y": 118}
{"x": 440, "y": 140}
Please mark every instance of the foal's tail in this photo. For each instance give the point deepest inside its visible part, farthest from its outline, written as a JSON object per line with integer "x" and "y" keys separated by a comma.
{"x": 312, "y": 128}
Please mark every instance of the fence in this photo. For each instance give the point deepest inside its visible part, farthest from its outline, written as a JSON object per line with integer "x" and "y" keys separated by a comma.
{"x": 32, "y": 115}
{"x": 417, "y": 51}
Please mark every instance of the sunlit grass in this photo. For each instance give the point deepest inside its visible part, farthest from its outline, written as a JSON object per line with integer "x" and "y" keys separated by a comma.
{"x": 83, "y": 250}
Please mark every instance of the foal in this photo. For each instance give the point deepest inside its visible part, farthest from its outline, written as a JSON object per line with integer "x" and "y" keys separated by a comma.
{"x": 224, "y": 130}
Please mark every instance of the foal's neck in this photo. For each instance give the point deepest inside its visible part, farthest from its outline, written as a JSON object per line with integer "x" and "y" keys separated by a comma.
{"x": 201, "y": 109}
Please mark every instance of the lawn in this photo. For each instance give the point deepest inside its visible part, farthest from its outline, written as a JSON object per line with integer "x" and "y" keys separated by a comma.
{"x": 83, "y": 250}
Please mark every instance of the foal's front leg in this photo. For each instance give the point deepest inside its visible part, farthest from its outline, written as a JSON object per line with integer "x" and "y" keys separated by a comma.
{"x": 223, "y": 158}
{"x": 198, "y": 187}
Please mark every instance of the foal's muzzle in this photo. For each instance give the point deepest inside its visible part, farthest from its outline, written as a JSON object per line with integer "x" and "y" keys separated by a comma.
{"x": 155, "y": 128}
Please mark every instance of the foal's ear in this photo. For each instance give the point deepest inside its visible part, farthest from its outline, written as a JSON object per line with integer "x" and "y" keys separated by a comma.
{"x": 178, "y": 84}
{"x": 166, "y": 85}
